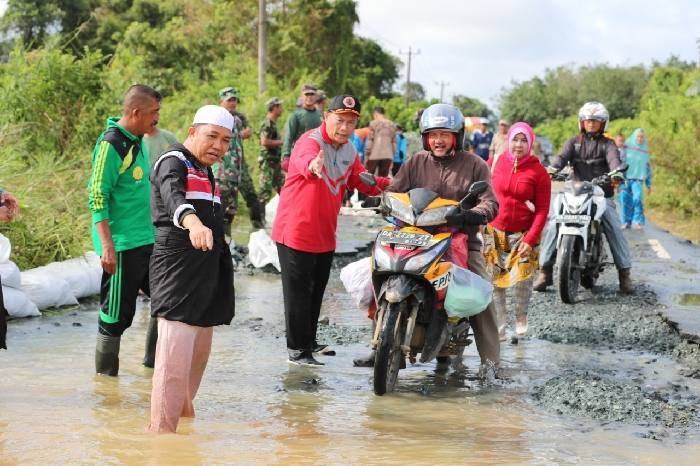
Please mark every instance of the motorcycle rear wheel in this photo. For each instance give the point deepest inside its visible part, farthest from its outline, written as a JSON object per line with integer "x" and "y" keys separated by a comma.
{"x": 569, "y": 269}
{"x": 387, "y": 361}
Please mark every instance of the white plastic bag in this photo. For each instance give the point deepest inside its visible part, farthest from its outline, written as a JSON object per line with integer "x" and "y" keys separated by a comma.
{"x": 262, "y": 250}
{"x": 46, "y": 289}
{"x": 18, "y": 304}
{"x": 467, "y": 294}
{"x": 83, "y": 274}
{"x": 357, "y": 280}
{"x": 271, "y": 209}
{"x": 5, "y": 248}
{"x": 9, "y": 272}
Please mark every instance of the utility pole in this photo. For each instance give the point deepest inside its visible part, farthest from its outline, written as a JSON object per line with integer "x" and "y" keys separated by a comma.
{"x": 262, "y": 46}
{"x": 408, "y": 74}
{"x": 442, "y": 85}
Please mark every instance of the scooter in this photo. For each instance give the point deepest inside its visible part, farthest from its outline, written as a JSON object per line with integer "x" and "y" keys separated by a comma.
{"x": 580, "y": 250}
{"x": 410, "y": 275}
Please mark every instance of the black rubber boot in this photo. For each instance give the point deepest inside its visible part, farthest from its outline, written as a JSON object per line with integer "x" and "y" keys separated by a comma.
{"x": 626, "y": 285}
{"x": 544, "y": 279}
{"x": 367, "y": 361}
{"x": 107, "y": 355}
{"x": 149, "y": 358}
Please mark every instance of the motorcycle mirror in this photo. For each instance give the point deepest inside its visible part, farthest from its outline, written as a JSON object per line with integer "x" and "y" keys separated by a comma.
{"x": 475, "y": 189}
{"x": 478, "y": 187}
{"x": 368, "y": 179}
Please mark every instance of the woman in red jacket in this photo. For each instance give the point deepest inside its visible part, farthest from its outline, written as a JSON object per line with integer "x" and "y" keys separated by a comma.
{"x": 511, "y": 241}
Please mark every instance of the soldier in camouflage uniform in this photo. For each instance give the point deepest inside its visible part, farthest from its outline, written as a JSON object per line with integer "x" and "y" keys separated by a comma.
{"x": 271, "y": 177}
{"x": 233, "y": 174}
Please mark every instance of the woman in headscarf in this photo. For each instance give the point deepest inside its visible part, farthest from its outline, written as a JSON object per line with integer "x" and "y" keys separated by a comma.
{"x": 511, "y": 240}
{"x": 638, "y": 174}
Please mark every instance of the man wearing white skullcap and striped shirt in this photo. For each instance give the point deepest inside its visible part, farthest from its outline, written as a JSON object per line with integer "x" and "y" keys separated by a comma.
{"x": 191, "y": 273}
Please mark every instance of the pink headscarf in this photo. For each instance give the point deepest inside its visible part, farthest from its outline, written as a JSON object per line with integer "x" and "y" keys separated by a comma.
{"x": 518, "y": 128}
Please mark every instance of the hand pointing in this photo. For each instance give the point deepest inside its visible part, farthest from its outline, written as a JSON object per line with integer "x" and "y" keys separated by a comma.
{"x": 316, "y": 165}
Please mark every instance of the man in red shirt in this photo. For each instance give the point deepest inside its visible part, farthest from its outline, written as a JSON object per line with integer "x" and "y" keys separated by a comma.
{"x": 323, "y": 165}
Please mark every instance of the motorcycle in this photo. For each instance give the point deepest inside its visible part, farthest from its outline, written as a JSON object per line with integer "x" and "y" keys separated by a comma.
{"x": 581, "y": 255}
{"x": 410, "y": 275}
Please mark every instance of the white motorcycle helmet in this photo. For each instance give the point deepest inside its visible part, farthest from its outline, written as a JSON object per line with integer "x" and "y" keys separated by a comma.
{"x": 593, "y": 111}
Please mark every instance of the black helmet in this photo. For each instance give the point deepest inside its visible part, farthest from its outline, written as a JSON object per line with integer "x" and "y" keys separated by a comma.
{"x": 442, "y": 116}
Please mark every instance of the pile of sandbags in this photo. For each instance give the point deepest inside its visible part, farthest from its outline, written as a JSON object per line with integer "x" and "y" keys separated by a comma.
{"x": 53, "y": 285}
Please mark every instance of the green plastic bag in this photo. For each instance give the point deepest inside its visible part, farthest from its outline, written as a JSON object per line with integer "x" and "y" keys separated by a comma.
{"x": 467, "y": 294}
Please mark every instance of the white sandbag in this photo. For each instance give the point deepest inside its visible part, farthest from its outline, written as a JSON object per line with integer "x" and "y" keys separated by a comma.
{"x": 357, "y": 280}
{"x": 5, "y": 248}
{"x": 262, "y": 250}
{"x": 83, "y": 274}
{"x": 47, "y": 289}
{"x": 271, "y": 209}
{"x": 18, "y": 304}
{"x": 9, "y": 273}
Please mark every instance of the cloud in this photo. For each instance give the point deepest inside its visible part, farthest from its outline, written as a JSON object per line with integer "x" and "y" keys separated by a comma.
{"x": 481, "y": 47}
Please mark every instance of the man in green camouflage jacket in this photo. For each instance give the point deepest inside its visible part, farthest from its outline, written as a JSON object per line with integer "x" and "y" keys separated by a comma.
{"x": 271, "y": 177}
{"x": 233, "y": 174}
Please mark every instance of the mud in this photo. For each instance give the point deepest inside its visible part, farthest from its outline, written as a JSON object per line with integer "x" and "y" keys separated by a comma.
{"x": 602, "y": 397}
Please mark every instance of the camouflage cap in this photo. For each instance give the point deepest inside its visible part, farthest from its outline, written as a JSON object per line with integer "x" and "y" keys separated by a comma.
{"x": 229, "y": 92}
{"x": 273, "y": 102}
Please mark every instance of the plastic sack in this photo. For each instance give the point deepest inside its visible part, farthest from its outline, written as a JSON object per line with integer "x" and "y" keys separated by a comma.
{"x": 467, "y": 294}
{"x": 271, "y": 209}
{"x": 262, "y": 250}
{"x": 9, "y": 274}
{"x": 46, "y": 289}
{"x": 357, "y": 280}
{"x": 83, "y": 274}
{"x": 5, "y": 248}
{"x": 18, "y": 304}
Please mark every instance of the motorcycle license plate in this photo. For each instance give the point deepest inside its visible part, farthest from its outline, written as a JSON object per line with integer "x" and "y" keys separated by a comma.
{"x": 402, "y": 237}
{"x": 570, "y": 218}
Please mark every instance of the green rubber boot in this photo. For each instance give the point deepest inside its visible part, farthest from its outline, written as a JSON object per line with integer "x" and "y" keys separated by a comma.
{"x": 149, "y": 359}
{"x": 107, "y": 355}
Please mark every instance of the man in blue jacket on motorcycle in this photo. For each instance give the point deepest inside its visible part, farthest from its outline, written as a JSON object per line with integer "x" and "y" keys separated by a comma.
{"x": 591, "y": 154}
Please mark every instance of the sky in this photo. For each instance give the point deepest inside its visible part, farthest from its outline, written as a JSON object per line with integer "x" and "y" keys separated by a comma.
{"x": 481, "y": 47}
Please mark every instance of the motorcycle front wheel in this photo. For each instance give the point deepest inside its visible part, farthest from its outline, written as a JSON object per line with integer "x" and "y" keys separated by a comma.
{"x": 388, "y": 359}
{"x": 569, "y": 268}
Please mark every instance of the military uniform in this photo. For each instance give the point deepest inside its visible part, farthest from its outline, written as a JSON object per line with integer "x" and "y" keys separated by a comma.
{"x": 233, "y": 176}
{"x": 269, "y": 161}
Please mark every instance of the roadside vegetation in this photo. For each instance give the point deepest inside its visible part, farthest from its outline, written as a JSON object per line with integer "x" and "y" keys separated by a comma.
{"x": 65, "y": 64}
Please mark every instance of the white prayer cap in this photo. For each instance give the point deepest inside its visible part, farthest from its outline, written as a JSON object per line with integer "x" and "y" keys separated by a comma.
{"x": 213, "y": 115}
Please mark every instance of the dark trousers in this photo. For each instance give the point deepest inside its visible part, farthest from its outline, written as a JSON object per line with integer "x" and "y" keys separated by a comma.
{"x": 378, "y": 167}
{"x": 304, "y": 279}
{"x": 119, "y": 291}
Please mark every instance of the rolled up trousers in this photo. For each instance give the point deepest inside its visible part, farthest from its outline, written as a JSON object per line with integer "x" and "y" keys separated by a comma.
{"x": 182, "y": 353}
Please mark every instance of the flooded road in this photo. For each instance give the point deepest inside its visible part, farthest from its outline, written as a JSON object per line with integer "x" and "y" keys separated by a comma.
{"x": 255, "y": 408}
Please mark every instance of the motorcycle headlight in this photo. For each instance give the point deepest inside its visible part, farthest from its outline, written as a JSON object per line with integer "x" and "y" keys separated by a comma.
{"x": 434, "y": 216}
{"x": 425, "y": 258}
{"x": 401, "y": 211}
{"x": 382, "y": 261}
{"x": 572, "y": 202}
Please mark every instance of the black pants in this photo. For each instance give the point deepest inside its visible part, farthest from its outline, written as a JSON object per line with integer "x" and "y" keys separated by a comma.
{"x": 119, "y": 291}
{"x": 304, "y": 279}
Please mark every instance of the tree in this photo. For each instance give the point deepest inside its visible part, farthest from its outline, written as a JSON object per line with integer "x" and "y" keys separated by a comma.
{"x": 416, "y": 91}
{"x": 563, "y": 90}
{"x": 470, "y": 106}
{"x": 31, "y": 20}
{"x": 374, "y": 71}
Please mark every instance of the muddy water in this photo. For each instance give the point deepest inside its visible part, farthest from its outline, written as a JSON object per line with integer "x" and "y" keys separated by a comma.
{"x": 254, "y": 408}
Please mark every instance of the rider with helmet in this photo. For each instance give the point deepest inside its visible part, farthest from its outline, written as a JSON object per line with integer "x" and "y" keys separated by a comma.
{"x": 447, "y": 169}
{"x": 591, "y": 154}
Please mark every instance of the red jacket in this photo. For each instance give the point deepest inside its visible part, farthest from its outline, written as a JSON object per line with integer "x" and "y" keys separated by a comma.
{"x": 307, "y": 215}
{"x": 514, "y": 188}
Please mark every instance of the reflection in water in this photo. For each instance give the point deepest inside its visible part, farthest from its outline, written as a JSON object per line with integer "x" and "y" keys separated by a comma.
{"x": 255, "y": 408}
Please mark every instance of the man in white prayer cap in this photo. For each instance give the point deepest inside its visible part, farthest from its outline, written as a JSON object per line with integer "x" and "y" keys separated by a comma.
{"x": 191, "y": 273}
